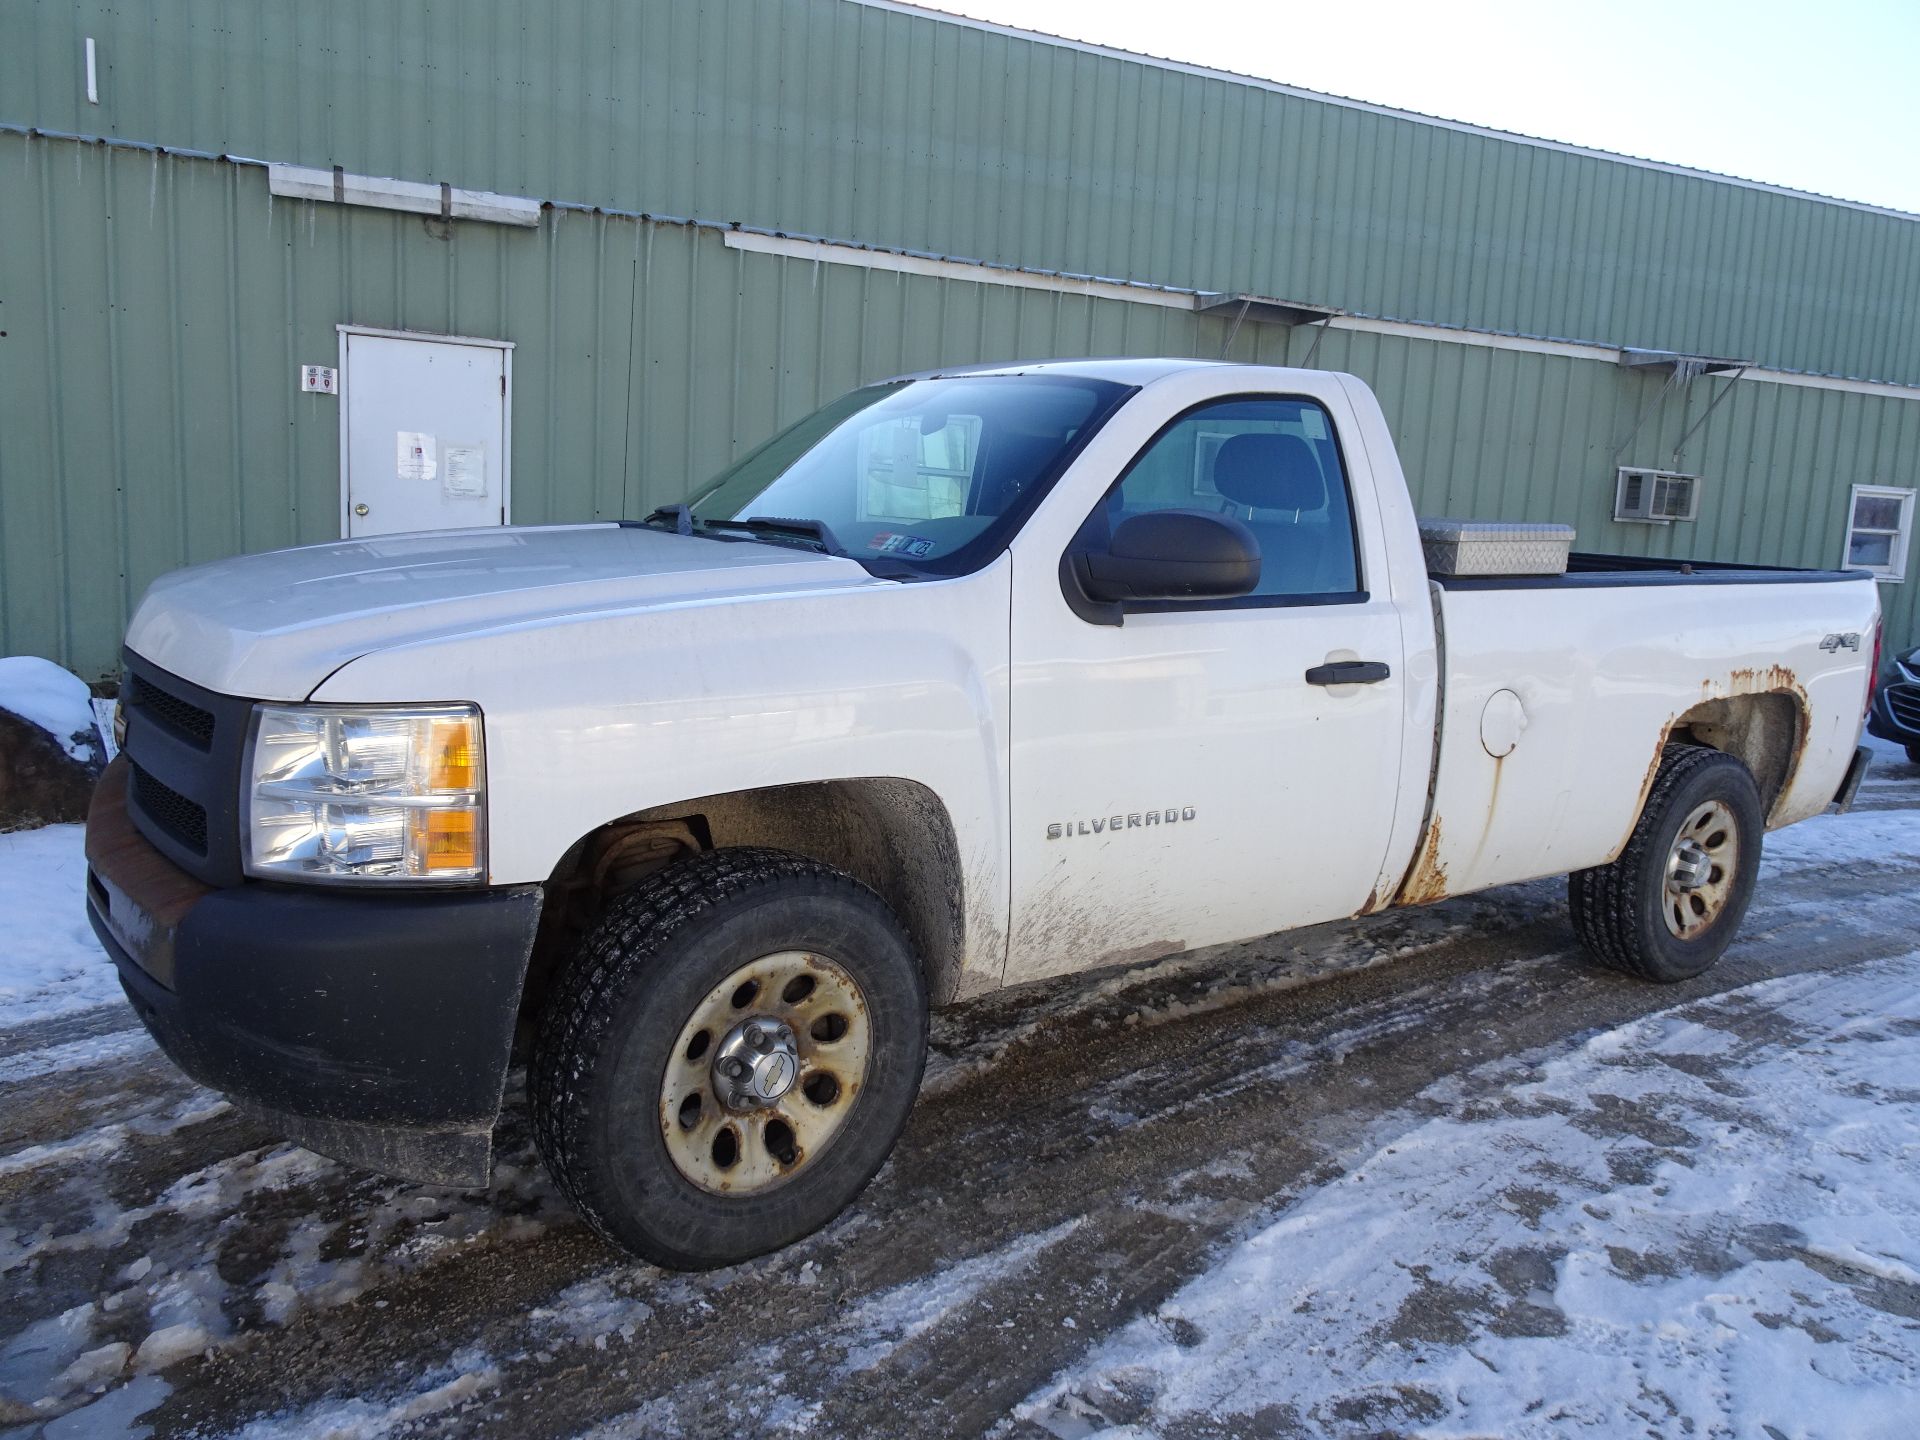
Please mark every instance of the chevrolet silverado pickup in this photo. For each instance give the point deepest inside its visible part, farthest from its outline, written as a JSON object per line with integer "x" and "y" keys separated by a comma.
{"x": 969, "y": 678}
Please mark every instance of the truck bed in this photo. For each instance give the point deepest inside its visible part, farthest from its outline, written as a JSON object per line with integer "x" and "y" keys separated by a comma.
{"x": 1600, "y": 671}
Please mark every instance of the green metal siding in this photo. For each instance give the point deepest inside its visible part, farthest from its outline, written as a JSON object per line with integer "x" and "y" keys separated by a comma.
{"x": 854, "y": 122}
{"x": 156, "y": 309}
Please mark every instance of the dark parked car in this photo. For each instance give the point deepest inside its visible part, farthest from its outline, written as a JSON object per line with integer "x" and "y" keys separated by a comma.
{"x": 1896, "y": 704}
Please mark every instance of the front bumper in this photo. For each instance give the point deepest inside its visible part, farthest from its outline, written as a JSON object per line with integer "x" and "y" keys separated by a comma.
{"x": 372, "y": 1028}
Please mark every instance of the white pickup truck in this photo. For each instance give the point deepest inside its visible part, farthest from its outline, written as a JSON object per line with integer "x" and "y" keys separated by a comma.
{"x": 970, "y": 678}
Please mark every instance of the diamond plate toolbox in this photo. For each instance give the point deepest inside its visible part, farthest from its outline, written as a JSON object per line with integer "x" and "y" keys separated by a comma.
{"x": 1494, "y": 547}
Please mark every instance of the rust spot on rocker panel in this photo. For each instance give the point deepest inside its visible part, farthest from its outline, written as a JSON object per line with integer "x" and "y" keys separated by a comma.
{"x": 1426, "y": 882}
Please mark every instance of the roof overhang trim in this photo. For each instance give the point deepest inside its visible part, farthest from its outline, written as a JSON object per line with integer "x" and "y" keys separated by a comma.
{"x": 418, "y": 197}
{"x": 1263, "y": 309}
{"x": 1675, "y": 362}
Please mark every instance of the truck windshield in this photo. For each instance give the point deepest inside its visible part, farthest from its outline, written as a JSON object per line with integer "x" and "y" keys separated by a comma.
{"x": 912, "y": 476}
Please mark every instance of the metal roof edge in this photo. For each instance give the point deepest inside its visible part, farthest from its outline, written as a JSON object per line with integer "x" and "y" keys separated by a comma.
{"x": 1300, "y": 92}
{"x": 737, "y": 235}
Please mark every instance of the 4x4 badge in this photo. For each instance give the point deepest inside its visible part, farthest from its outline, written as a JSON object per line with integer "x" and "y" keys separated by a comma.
{"x": 1849, "y": 641}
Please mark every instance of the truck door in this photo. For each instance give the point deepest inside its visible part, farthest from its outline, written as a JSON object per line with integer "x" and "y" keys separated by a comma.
{"x": 1208, "y": 771}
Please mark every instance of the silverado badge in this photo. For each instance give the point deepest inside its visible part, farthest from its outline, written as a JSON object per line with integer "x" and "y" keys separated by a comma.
{"x": 1132, "y": 820}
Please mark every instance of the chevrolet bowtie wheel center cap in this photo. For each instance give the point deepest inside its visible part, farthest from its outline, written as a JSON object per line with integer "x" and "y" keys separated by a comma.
{"x": 1703, "y": 867}
{"x": 1691, "y": 866}
{"x": 756, "y": 1064}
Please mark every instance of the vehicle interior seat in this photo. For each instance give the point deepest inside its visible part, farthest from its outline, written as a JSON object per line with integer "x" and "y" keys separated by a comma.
{"x": 1007, "y": 464}
{"x": 1277, "y": 480}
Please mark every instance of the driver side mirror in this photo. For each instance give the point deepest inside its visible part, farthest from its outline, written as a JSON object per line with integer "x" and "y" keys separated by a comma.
{"x": 1163, "y": 555}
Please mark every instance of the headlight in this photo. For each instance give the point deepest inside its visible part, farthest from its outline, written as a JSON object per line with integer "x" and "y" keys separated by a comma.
{"x": 343, "y": 792}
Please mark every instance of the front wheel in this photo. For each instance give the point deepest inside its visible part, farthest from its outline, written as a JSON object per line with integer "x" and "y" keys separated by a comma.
{"x": 1668, "y": 908}
{"x": 1913, "y": 754}
{"x": 729, "y": 1058}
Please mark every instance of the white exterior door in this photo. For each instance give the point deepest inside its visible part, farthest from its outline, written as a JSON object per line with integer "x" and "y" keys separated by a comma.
{"x": 1181, "y": 779}
{"x": 423, "y": 433}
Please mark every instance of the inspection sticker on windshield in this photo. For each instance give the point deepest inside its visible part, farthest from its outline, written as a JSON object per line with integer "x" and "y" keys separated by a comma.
{"x": 912, "y": 546}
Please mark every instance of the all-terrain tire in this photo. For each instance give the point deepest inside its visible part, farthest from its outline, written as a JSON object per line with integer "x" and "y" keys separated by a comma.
{"x": 616, "y": 1013}
{"x": 1619, "y": 909}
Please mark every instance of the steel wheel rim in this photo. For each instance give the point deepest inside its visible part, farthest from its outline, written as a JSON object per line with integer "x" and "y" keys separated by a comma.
{"x": 720, "y": 1134}
{"x": 1701, "y": 866}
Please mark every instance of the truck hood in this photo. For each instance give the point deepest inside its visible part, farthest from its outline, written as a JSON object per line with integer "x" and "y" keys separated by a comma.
{"x": 273, "y": 626}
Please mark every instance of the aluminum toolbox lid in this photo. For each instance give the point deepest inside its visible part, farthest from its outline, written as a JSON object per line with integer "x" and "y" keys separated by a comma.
{"x": 1494, "y": 547}
{"x": 1492, "y": 532}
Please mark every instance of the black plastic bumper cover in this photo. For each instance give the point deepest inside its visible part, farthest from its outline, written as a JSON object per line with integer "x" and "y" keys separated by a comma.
{"x": 1882, "y": 721}
{"x": 372, "y": 1028}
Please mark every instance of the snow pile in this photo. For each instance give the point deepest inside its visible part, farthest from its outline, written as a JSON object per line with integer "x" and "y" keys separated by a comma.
{"x": 50, "y": 962}
{"x": 40, "y": 692}
{"x": 1705, "y": 1222}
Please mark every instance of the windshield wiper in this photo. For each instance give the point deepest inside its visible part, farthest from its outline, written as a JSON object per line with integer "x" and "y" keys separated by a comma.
{"x": 777, "y": 527}
{"x": 772, "y": 527}
{"x": 680, "y": 515}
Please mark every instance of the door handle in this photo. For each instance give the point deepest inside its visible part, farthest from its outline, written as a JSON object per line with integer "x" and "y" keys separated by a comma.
{"x": 1349, "y": 672}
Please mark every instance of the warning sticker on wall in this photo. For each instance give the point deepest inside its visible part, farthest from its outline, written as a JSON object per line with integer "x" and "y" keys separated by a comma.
{"x": 466, "y": 472}
{"x": 415, "y": 459}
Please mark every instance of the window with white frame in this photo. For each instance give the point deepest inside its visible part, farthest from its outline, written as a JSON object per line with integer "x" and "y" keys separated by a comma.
{"x": 1879, "y": 525}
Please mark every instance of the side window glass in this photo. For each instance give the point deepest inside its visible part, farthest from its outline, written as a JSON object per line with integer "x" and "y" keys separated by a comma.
{"x": 1271, "y": 464}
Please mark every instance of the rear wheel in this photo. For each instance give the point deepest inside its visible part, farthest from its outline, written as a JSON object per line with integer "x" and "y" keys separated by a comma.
{"x": 1668, "y": 908}
{"x": 729, "y": 1058}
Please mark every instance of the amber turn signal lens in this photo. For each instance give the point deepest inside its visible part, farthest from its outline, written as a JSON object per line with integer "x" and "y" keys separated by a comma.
{"x": 453, "y": 754}
{"x": 447, "y": 839}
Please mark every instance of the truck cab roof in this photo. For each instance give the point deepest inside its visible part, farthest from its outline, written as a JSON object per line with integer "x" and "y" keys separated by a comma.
{"x": 1120, "y": 369}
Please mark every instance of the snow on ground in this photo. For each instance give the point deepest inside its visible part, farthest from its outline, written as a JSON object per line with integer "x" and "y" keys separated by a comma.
{"x": 884, "y": 1323}
{"x": 50, "y": 962}
{"x": 1685, "y": 1223}
{"x": 41, "y": 692}
{"x": 467, "y": 1375}
{"x": 1873, "y": 837}
{"x": 1885, "y": 752}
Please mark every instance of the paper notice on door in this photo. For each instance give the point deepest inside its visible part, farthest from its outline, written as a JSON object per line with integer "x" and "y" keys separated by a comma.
{"x": 415, "y": 458}
{"x": 466, "y": 470}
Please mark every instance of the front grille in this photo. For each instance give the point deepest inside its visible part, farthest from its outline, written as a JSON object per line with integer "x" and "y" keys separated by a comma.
{"x": 186, "y": 745}
{"x": 182, "y": 717}
{"x": 173, "y": 812}
{"x": 1904, "y": 702}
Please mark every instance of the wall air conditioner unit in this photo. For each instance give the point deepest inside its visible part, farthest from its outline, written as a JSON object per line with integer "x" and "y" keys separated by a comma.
{"x": 1655, "y": 497}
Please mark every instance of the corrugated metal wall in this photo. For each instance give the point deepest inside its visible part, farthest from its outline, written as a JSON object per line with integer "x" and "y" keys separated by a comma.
{"x": 155, "y": 309}
{"x": 850, "y": 121}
